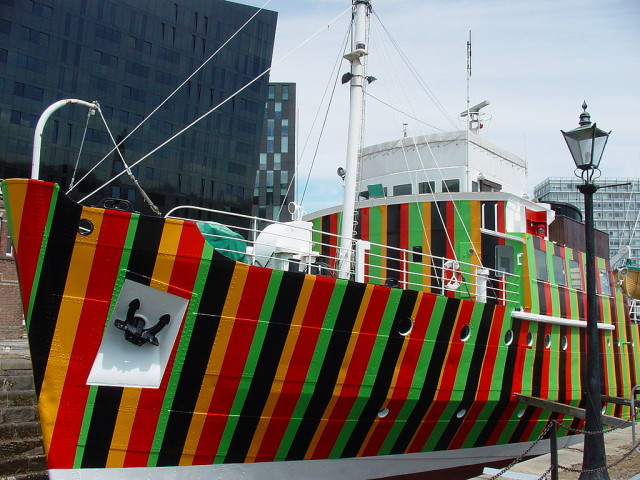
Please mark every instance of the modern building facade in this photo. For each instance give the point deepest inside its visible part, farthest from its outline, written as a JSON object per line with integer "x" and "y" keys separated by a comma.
{"x": 616, "y": 208}
{"x": 274, "y": 182}
{"x": 130, "y": 55}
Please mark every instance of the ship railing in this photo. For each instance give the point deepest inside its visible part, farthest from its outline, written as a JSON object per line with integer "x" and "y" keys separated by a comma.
{"x": 296, "y": 246}
{"x": 634, "y": 310}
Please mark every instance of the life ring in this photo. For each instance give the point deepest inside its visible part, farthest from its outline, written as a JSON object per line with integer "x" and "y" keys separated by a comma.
{"x": 451, "y": 275}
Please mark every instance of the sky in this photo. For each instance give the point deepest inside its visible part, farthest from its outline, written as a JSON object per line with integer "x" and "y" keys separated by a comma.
{"x": 535, "y": 62}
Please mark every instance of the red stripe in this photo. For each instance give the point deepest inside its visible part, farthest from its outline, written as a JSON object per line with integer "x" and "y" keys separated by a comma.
{"x": 183, "y": 277}
{"x": 35, "y": 212}
{"x": 100, "y": 286}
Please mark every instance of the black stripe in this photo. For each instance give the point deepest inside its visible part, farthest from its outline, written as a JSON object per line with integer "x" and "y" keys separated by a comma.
{"x": 562, "y": 367}
{"x": 103, "y": 421}
{"x": 436, "y": 361}
{"x": 205, "y": 327}
{"x": 266, "y": 367}
{"x": 329, "y": 371}
{"x": 473, "y": 377}
{"x": 144, "y": 251}
{"x": 387, "y": 366}
{"x": 438, "y": 243}
{"x": 393, "y": 240}
{"x": 51, "y": 283}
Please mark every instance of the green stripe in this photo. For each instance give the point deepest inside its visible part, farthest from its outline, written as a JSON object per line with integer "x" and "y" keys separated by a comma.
{"x": 181, "y": 353}
{"x": 250, "y": 366}
{"x": 86, "y": 420}
{"x": 319, "y": 354}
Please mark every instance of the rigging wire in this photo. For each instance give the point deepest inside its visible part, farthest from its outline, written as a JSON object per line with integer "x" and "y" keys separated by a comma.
{"x": 171, "y": 95}
{"x": 84, "y": 136}
{"x": 335, "y": 72}
{"x": 435, "y": 161}
{"x": 230, "y": 97}
{"x": 416, "y": 75}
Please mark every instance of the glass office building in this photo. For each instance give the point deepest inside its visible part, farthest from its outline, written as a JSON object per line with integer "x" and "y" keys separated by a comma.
{"x": 616, "y": 209}
{"x": 274, "y": 183}
{"x": 129, "y": 55}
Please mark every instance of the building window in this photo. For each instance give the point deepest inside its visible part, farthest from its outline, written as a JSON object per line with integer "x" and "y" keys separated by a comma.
{"x": 284, "y": 144}
{"x": 272, "y": 92}
{"x": 9, "y": 248}
{"x": 284, "y": 131}
{"x": 278, "y": 109}
{"x": 285, "y": 93}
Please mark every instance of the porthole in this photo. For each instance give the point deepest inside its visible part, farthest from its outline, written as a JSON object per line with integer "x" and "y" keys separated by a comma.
{"x": 461, "y": 413}
{"x": 547, "y": 341}
{"x": 405, "y": 325}
{"x": 564, "y": 342}
{"x": 465, "y": 333}
{"x": 508, "y": 337}
{"x": 521, "y": 413}
{"x": 85, "y": 227}
{"x": 383, "y": 413}
{"x": 529, "y": 339}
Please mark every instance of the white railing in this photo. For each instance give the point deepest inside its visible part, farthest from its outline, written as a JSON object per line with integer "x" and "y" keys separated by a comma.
{"x": 295, "y": 246}
{"x": 634, "y": 310}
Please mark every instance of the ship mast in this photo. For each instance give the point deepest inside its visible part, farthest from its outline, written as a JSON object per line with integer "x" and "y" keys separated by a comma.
{"x": 361, "y": 9}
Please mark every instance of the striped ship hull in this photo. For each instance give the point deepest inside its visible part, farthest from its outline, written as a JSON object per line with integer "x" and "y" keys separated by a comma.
{"x": 272, "y": 374}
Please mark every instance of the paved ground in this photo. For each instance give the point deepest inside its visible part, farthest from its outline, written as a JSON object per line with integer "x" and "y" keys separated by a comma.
{"x": 623, "y": 465}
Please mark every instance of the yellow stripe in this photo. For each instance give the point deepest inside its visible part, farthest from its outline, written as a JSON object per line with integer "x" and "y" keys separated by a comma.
{"x": 344, "y": 368}
{"x": 220, "y": 345}
{"x": 17, "y": 193}
{"x": 131, "y": 396}
{"x": 66, "y": 326}
{"x": 281, "y": 373}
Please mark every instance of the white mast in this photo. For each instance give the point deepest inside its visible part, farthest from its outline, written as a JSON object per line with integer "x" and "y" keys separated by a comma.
{"x": 361, "y": 10}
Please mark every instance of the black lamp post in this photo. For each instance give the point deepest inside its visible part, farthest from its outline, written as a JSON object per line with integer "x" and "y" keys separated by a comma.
{"x": 586, "y": 144}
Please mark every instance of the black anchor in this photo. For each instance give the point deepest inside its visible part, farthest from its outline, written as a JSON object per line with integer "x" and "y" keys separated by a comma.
{"x": 133, "y": 326}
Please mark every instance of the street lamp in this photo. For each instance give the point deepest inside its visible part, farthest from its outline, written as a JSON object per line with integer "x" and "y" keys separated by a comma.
{"x": 586, "y": 144}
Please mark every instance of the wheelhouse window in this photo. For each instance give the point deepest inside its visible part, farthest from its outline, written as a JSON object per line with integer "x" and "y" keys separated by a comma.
{"x": 559, "y": 271}
{"x": 427, "y": 187}
{"x": 452, "y": 185}
{"x": 504, "y": 259}
{"x": 605, "y": 285}
{"x": 402, "y": 189}
{"x": 575, "y": 274}
{"x": 542, "y": 270}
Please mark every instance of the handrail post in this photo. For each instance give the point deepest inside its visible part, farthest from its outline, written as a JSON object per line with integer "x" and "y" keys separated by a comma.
{"x": 553, "y": 446}
{"x": 37, "y": 138}
{"x": 633, "y": 416}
